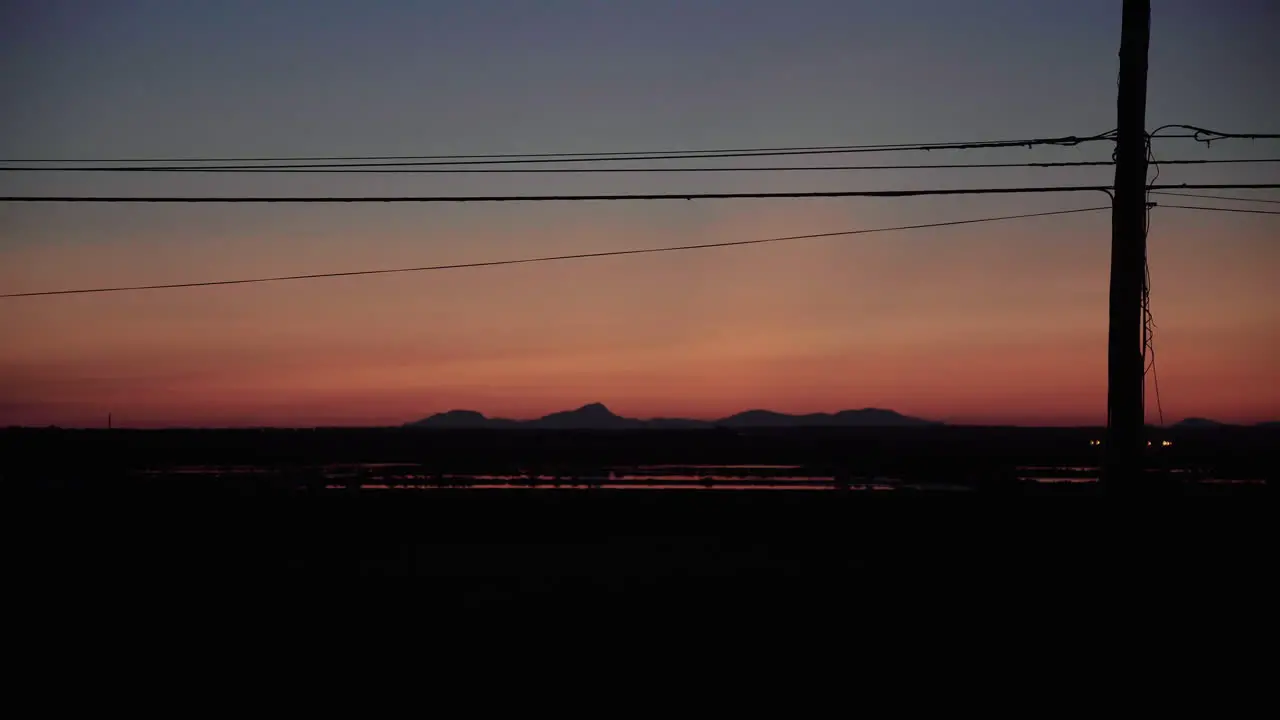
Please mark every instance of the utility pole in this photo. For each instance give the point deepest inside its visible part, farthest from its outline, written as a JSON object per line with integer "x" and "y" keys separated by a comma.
{"x": 1126, "y": 443}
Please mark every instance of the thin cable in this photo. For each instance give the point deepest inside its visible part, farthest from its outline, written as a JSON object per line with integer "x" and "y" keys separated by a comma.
{"x": 1217, "y": 197}
{"x": 1196, "y": 133}
{"x": 1149, "y": 347}
{"x": 551, "y": 258}
{"x": 632, "y": 158}
{"x": 1209, "y": 136}
{"x": 1066, "y": 141}
{"x": 642, "y": 196}
{"x": 1226, "y": 210}
{"x": 397, "y": 168}
{"x": 1148, "y": 319}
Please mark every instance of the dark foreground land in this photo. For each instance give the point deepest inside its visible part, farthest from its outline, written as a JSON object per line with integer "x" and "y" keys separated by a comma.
{"x": 79, "y": 513}
{"x": 948, "y": 455}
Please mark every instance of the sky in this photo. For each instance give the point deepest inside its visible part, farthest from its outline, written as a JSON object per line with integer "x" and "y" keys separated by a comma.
{"x": 986, "y": 323}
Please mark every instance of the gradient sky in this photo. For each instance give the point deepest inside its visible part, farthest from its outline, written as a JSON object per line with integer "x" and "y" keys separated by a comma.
{"x": 992, "y": 323}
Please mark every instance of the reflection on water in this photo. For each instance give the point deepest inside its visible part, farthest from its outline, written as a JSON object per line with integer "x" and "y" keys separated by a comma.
{"x": 644, "y": 481}
{"x": 378, "y": 476}
{"x": 720, "y": 467}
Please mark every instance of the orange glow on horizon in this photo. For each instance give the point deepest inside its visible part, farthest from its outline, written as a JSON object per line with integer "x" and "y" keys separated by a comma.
{"x": 990, "y": 325}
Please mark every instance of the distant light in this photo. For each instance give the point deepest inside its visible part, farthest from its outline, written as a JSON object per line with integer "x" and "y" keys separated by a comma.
{"x": 1095, "y": 442}
{"x": 1166, "y": 443}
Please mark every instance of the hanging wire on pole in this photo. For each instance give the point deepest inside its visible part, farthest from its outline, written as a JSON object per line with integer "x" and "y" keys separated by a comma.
{"x": 1148, "y": 319}
{"x": 1208, "y": 137}
{"x": 1214, "y": 197}
{"x": 1249, "y": 211}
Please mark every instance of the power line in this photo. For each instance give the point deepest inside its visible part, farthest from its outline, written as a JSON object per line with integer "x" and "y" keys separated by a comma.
{"x": 549, "y": 258}
{"x": 1209, "y": 136}
{"x": 641, "y": 196}
{"x": 389, "y": 168}
{"x": 543, "y": 159}
{"x": 1148, "y": 318}
{"x": 1197, "y": 133}
{"x": 1067, "y": 141}
{"x": 1218, "y": 209}
{"x": 1217, "y": 197}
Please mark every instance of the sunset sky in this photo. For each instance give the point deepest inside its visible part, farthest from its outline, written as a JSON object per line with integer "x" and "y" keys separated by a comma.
{"x": 988, "y": 323}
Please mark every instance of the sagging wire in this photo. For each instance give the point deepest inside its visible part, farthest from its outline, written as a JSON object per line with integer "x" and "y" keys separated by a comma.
{"x": 1148, "y": 320}
{"x": 1207, "y": 137}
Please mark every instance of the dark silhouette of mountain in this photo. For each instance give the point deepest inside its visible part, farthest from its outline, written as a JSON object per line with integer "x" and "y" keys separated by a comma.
{"x": 867, "y": 417}
{"x": 1195, "y": 422}
{"x": 462, "y": 419}
{"x": 1270, "y": 425}
{"x": 595, "y": 416}
{"x": 877, "y": 417}
{"x": 758, "y": 418}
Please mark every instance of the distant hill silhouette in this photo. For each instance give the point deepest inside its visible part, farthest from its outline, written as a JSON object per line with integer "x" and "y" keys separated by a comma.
{"x": 1196, "y": 422}
{"x": 1205, "y": 423}
{"x": 463, "y": 419}
{"x": 595, "y": 416}
{"x": 867, "y": 417}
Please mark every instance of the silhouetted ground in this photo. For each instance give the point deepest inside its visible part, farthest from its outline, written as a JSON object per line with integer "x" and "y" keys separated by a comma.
{"x": 792, "y": 549}
{"x": 943, "y": 453}
{"x": 74, "y": 520}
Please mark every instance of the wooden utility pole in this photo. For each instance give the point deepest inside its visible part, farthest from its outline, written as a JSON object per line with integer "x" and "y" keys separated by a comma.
{"x": 1126, "y": 441}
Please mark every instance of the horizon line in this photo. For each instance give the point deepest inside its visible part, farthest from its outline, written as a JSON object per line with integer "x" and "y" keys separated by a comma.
{"x": 711, "y": 425}
{"x": 112, "y": 422}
